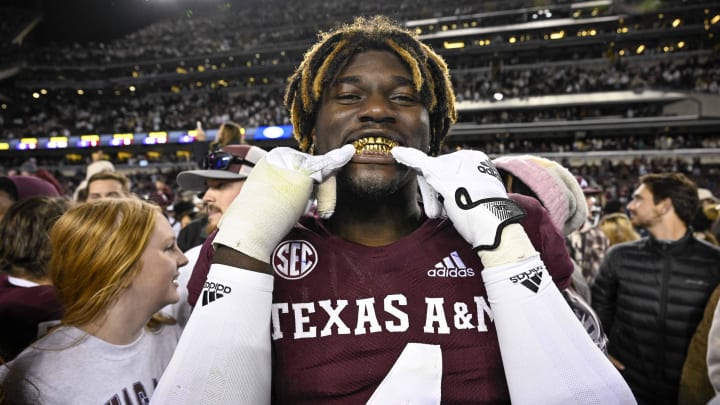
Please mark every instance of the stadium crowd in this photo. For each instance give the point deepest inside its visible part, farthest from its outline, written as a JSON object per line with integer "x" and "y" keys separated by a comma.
{"x": 64, "y": 112}
{"x": 550, "y": 227}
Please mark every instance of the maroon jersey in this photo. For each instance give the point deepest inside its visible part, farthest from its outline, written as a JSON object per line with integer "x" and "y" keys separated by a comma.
{"x": 545, "y": 237}
{"x": 22, "y": 310}
{"x": 343, "y": 313}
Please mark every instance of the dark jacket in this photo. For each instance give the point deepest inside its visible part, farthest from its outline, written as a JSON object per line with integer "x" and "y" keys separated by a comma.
{"x": 193, "y": 234}
{"x": 650, "y": 296}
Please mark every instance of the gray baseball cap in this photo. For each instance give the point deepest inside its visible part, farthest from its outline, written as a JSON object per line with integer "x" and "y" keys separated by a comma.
{"x": 232, "y": 162}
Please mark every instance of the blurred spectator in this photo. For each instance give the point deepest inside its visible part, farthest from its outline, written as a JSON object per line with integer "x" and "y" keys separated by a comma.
{"x": 18, "y": 188}
{"x": 695, "y": 386}
{"x": 108, "y": 184}
{"x": 178, "y": 211}
{"x": 613, "y": 206}
{"x": 587, "y": 245}
{"x": 707, "y": 213}
{"x": 28, "y": 302}
{"x": 618, "y": 228}
{"x": 229, "y": 133}
{"x": 96, "y": 166}
{"x": 161, "y": 194}
{"x": 30, "y": 168}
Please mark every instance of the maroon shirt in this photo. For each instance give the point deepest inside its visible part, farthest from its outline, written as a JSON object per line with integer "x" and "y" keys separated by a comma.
{"x": 22, "y": 309}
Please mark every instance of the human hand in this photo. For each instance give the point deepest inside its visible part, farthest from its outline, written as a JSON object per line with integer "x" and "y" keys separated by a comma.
{"x": 469, "y": 188}
{"x": 317, "y": 167}
{"x": 274, "y": 197}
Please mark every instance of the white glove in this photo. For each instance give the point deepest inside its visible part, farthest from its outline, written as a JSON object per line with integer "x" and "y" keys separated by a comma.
{"x": 274, "y": 197}
{"x": 326, "y": 196}
{"x": 474, "y": 198}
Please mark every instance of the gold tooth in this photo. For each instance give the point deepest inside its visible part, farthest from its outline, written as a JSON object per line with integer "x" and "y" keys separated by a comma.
{"x": 374, "y": 144}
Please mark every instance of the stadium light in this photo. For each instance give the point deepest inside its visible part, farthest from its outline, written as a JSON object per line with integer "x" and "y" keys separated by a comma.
{"x": 453, "y": 45}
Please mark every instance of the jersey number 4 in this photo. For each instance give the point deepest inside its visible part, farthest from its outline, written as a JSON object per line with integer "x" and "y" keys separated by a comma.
{"x": 414, "y": 378}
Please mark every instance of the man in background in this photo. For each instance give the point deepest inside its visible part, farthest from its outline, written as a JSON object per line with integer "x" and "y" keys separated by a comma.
{"x": 650, "y": 294}
{"x": 221, "y": 179}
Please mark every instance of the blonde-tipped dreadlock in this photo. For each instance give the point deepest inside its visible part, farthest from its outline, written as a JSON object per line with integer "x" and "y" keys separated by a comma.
{"x": 324, "y": 61}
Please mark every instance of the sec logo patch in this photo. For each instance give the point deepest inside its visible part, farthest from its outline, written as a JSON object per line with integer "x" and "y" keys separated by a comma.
{"x": 294, "y": 259}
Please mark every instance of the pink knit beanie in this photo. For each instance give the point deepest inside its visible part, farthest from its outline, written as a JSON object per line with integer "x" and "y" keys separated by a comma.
{"x": 554, "y": 185}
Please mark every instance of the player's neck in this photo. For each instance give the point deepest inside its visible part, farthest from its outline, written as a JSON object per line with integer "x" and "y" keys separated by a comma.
{"x": 375, "y": 224}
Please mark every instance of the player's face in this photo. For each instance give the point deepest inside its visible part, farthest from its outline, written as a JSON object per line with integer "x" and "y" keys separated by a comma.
{"x": 156, "y": 284}
{"x": 644, "y": 213}
{"x": 373, "y": 105}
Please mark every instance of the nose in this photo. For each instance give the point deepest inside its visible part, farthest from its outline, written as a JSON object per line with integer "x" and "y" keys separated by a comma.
{"x": 377, "y": 108}
{"x": 208, "y": 195}
{"x": 182, "y": 259}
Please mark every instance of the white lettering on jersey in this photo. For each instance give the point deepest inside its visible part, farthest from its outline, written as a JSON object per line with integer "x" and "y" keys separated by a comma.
{"x": 301, "y": 320}
{"x": 435, "y": 314}
{"x": 276, "y": 309}
{"x": 462, "y": 319}
{"x": 482, "y": 308}
{"x": 306, "y": 325}
{"x": 401, "y": 316}
{"x": 366, "y": 314}
{"x": 334, "y": 314}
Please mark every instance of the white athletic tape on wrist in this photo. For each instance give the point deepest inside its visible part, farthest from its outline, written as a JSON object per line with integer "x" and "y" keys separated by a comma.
{"x": 268, "y": 206}
{"x": 514, "y": 245}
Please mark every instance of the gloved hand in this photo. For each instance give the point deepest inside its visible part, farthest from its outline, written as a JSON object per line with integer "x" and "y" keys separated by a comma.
{"x": 326, "y": 196}
{"x": 470, "y": 189}
{"x": 274, "y": 197}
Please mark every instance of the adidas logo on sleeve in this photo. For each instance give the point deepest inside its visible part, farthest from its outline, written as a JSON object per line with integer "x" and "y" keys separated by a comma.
{"x": 214, "y": 291}
{"x": 530, "y": 279}
{"x": 451, "y": 266}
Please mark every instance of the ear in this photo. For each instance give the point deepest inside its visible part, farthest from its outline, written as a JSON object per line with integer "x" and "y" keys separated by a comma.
{"x": 666, "y": 206}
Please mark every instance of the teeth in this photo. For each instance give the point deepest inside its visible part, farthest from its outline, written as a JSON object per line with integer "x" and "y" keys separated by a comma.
{"x": 374, "y": 144}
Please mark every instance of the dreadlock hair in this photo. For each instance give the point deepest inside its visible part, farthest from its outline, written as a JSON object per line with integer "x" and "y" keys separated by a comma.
{"x": 334, "y": 49}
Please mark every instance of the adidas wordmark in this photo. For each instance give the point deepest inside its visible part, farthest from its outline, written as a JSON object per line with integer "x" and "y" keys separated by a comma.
{"x": 451, "y": 266}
